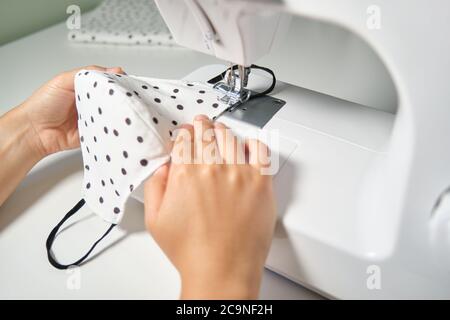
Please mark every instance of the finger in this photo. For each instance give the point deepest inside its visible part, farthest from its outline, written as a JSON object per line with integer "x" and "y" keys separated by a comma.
{"x": 154, "y": 190}
{"x": 65, "y": 79}
{"x": 118, "y": 70}
{"x": 183, "y": 147}
{"x": 98, "y": 68}
{"x": 258, "y": 153}
{"x": 204, "y": 140}
{"x": 230, "y": 148}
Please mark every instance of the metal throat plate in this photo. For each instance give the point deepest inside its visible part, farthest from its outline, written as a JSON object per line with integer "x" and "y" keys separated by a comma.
{"x": 256, "y": 111}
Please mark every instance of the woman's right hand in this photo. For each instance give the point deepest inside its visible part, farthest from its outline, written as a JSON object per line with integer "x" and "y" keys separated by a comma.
{"x": 213, "y": 221}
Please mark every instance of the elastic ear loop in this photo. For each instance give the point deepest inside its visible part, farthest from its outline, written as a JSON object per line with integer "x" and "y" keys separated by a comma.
{"x": 51, "y": 238}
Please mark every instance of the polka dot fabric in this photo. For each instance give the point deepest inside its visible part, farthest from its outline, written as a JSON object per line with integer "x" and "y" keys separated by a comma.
{"x": 125, "y": 125}
{"x": 132, "y": 22}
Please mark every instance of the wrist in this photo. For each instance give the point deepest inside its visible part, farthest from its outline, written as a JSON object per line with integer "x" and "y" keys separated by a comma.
{"x": 20, "y": 136}
{"x": 18, "y": 152}
{"x": 234, "y": 283}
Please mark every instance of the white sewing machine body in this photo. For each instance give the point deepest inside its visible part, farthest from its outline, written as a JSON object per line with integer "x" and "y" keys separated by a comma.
{"x": 362, "y": 193}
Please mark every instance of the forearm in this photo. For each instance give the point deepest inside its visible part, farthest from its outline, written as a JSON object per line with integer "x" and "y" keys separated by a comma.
{"x": 19, "y": 150}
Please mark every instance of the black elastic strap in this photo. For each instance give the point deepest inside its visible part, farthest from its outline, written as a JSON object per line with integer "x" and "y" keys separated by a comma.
{"x": 272, "y": 85}
{"x": 53, "y": 233}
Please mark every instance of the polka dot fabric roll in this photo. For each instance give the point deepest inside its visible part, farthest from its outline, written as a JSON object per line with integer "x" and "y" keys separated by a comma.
{"x": 125, "y": 125}
{"x": 131, "y": 22}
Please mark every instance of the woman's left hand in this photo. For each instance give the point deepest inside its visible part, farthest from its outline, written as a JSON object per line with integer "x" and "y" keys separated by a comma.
{"x": 44, "y": 124}
{"x": 52, "y": 114}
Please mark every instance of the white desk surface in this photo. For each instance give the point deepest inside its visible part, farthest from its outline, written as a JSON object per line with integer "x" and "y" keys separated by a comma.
{"x": 131, "y": 266}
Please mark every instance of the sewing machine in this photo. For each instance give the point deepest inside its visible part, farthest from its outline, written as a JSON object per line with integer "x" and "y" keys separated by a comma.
{"x": 363, "y": 195}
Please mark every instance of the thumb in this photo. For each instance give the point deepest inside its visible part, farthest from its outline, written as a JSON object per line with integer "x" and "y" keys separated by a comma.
{"x": 154, "y": 190}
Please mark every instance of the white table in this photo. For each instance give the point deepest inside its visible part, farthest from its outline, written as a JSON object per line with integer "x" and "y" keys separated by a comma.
{"x": 131, "y": 265}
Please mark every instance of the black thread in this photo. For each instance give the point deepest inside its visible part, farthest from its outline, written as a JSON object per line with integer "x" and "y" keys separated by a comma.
{"x": 221, "y": 76}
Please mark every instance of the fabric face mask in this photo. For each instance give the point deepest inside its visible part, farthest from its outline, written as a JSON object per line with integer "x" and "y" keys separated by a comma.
{"x": 125, "y": 125}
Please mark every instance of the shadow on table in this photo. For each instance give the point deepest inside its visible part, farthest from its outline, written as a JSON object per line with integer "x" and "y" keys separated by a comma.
{"x": 43, "y": 179}
{"x": 37, "y": 184}
{"x": 132, "y": 222}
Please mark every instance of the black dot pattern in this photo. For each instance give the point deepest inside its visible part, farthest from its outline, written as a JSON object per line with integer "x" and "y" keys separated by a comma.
{"x": 121, "y": 122}
{"x": 135, "y": 22}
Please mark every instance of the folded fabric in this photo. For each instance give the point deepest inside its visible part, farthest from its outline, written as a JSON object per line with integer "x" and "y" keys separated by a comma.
{"x": 132, "y": 22}
{"x": 125, "y": 125}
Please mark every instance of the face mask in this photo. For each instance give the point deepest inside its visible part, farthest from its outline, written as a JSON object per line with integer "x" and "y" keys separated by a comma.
{"x": 131, "y": 22}
{"x": 125, "y": 125}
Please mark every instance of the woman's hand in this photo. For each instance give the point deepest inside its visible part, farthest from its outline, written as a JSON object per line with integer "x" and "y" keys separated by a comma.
{"x": 213, "y": 221}
{"x": 52, "y": 114}
{"x": 45, "y": 123}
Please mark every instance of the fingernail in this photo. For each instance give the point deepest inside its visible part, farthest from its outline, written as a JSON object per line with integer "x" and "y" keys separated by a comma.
{"x": 200, "y": 117}
{"x": 219, "y": 125}
{"x": 116, "y": 70}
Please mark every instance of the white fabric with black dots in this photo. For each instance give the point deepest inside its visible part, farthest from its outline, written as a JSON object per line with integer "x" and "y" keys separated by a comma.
{"x": 125, "y": 125}
{"x": 132, "y": 22}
